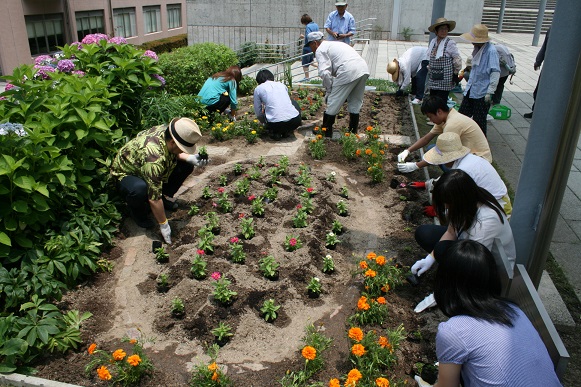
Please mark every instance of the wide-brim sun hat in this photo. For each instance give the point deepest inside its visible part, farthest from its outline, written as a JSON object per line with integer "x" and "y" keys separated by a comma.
{"x": 393, "y": 69}
{"x": 313, "y": 36}
{"x": 340, "y": 3}
{"x": 448, "y": 148}
{"x": 478, "y": 34}
{"x": 440, "y": 22}
{"x": 185, "y": 133}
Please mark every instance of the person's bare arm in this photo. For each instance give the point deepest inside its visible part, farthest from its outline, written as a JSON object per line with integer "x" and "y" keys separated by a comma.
{"x": 157, "y": 210}
{"x": 448, "y": 375}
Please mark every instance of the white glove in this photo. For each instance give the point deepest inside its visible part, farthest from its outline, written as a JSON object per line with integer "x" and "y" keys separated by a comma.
{"x": 487, "y": 98}
{"x": 407, "y": 167}
{"x": 426, "y": 303}
{"x": 402, "y": 156}
{"x": 196, "y": 161}
{"x": 165, "y": 231}
{"x": 423, "y": 265}
{"x": 421, "y": 382}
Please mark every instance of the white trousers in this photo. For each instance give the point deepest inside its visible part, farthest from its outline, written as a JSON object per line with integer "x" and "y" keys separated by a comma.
{"x": 351, "y": 92}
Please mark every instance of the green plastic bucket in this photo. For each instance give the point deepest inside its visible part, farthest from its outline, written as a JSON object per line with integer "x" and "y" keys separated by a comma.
{"x": 500, "y": 112}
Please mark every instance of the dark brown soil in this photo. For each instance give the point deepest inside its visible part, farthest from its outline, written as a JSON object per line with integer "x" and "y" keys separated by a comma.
{"x": 260, "y": 353}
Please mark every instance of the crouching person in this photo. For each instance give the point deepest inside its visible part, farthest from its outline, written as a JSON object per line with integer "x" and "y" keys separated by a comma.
{"x": 153, "y": 166}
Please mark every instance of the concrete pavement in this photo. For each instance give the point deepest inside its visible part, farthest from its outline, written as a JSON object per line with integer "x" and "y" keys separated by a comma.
{"x": 508, "y": 140}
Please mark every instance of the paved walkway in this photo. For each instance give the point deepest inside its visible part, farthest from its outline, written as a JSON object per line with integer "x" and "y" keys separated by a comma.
{"x": 508, "y": 140}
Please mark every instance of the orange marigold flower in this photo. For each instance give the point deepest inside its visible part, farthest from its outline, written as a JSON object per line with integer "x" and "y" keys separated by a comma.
{"x": 354, "y": 375}
{"x": 385, "y": 288}
{"x": 334, "y": 383}
{"x": 381, "y": 300}
{"x": 368, "y": 151}
{"x": 324, "y": 129}
{"x": 347, "y": 134}
{"x": 358, "y": 152}
{"x": 371, "y": 255}
{"x": 319, "y": 136}
{"x": 356, "y": 334}
{"x": 369, "y": 169}
{"x": 370, "y": 273}
{"x": 215, "y": 376}
{"x": 92, "y": 348}
{"x": 309, "y": 352}
{"x": 358, "y": 137}
{"x": 119, "y": 354}
{"x": 362, "y": 303}
{"x": 316, "y": 129}
{"x": 369, "y": 128}
{"x": 213, "y": 366}
{"x": 103, "y": 373}
{"x": 363, "y": 265}
{"x": 382, "y": 382}
{"x": 375, "y": 136}
{"x": 383, "y": 342}
{"x": 358, "y": 350}
{"x": 380, "y": 260}
{"x": 134, "y": 360}
{"x": 382, "y": 152}
{"x": 132, "y": 341}
{"x": 313, "y": 141}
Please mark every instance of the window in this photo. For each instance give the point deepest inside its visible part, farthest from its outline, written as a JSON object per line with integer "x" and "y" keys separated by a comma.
{"x": 124, "y": 19}
{"x": 174, "y": 16}
{"x": 45, "y": 33}
{"x": 90, "y": 22}
{"x": 152, "y": 17}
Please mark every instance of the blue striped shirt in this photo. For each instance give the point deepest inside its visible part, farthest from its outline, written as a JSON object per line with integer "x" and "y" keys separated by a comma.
{"x": 480, "y": 73}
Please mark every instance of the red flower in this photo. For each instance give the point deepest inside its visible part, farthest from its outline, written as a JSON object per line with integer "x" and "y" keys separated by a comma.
{"x": 221, "y": 189}
{"x": 299, "y": 206}
{"x": 292, "y": 242}
{"x": 310, "y": 190}
{"x": 200, "y": 252}
{"x": 234, "y": 240}
{"x": 240, "y": 215}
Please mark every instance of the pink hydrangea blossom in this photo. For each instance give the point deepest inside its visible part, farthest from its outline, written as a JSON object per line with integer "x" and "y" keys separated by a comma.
{"x": 44, "y": 71}
{"x": 65, "y": 65}
{"x": 43, "y": 60}
{"x": 94, "y": 38}
{"x": 214, "y": 204}
{"x": 151, "y": 54}
{"x": 9, "y": 86}
{"x": 118, "y": 40}
{"x": 234, "y": 240}
{"x": 80, "y": 73}
{"x": 78, "y": 44}
{"x": 216, "y": 275}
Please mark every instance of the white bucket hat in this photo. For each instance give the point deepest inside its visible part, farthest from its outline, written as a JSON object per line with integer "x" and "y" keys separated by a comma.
{"x": 185, "y": 133}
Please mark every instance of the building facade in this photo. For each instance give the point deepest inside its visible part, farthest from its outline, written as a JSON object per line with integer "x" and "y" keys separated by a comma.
{"x": 29, "y": 28}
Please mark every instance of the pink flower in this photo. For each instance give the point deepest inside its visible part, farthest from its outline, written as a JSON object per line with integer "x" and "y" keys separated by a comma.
{"x": 43, "y": 60}
{"x": 9, "y": 86}
{"x": 292, "y": 242}
{"x": 200, "y": 252}
{"x": 234, "y": 240}
{"x": 299, "y": 206}
{"x": 221, "y": 189}
{"x": 214, "y": 204}
{"x": 94, "y": 38}
{"x": 151, "y": 54}
{"x": 118, "y": 40}
{"x": 216, "y": 275}
{"x": 310, "y": 190}
{"x": 251, "y": 197}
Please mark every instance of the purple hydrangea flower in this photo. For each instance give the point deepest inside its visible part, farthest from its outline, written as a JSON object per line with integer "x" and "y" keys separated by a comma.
{"x": 78, "y": 44}
{"x": 118, "y": 40}
{"x": 65, "y": 65}
{"x": 94, "y": 38}
{"x": 79, "y": 73}
{"x": 42, "y": 60}
{"x": 151, "y": 54}
{"x": 159, "y": 78}
{"x": 9, "y": 86}
{"x": 43, "y": 71}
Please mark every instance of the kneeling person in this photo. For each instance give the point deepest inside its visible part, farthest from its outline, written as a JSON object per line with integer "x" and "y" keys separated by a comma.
{"x": 273, "y": 106}
{"x": 155, "y": 164}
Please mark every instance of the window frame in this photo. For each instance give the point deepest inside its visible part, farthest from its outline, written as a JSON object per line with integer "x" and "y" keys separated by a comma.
{"x": 171, "y": 9}
{"x": 152, "y": 19}
{"x": 49, "y": 41}
{"x": 82, "y": 17}
{"x": 127, "y": 15}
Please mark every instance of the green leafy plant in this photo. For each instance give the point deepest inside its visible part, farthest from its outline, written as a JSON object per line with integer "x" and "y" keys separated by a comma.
{"x": 314, "y": 286}
{"x": 331, "y": 177}
{"x": 224, "y": 204}
{"x": 210, "y": 374}
{"x": 300, "y": 219}
{"x": 118, "y": 367}
{"x": 241, "y": 187}
{"x": 161, "y": 256}
{"x": 328, "y": 264}
{"x": 206, "y": 242}
{"x": 317, "y": 148}
{"x": 271, "y": 194}
{"x": 206, "y": 193}
{"x": 178, "y": 308}
{"x": 213, "y": 222}
{"x": 162, "y": 282}
{"x": 269, "y": 309}
{"x": 344, "y": 192}
{"x": 342, "y": 208}
{"x": 237, "y": 253}
{"x": 331, "y": 240}
{"x": 222, "y": 292}
{"x": 349, "y": 145}
{"x": 268, "y": 266}
{"x": 254, "y": 173}
{"x": 407, "y": 32}
{"x": 307, "y": 205}
{"x": 292, "y": 243}
{"x": 337, "y": 227}
{"x": 238, "y": 169}
{"x": 247, "y": 228}
{"x": 223, "y": 180}
{"x": 223, "y": 331}
{"x": 247, "y": 85}
{"x": 199, "y": 266}
{"x": 194, "y": 210}
{"x": 257, "y": 206}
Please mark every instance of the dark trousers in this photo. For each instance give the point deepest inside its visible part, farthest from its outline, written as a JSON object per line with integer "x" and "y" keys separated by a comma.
{"x": 497, "y": 96}
{"x": 475, "y": 108}
{"x": 420, "y": 78}
{"x": 285, "y": 128}
{"x": 428, "y": 237}
{"x": 535, "y": 93}
{"x": 440, "y": 93}
{"x": 134, "y": 189}
{"x": 219, "y": 106}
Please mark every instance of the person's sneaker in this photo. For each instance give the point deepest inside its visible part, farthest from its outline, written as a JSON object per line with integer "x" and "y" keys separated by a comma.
{"x": 528, "y": 115}
{"x": 489, "y": 117}
{"x": 169, "y": 205}
{"x": 416, "y": 101}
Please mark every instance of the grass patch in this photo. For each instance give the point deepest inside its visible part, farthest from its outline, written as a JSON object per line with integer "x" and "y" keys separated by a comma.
{"x": 564, "y": 287}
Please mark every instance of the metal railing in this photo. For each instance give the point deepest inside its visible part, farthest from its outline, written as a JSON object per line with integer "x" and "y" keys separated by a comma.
{"x": 364, "y": 30}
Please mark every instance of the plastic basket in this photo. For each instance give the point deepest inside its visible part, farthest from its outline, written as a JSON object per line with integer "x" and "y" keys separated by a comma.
{"x": 500, "y": 112}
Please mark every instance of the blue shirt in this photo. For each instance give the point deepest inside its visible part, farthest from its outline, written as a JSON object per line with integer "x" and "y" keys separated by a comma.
{"x": 214, "y": 88}
{"x": 496, "y": 355}
{"x": 311, "y": 27}
{"x": 340, "y": 24}
{"x": 480, "y": 73}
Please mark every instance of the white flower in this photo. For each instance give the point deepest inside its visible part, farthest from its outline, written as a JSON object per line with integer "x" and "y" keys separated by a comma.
{"x": 317, "y": 279}
{"x": 331, "y": 234}
{"x": 333, "y": 173}
{"x": 328, "y": 256}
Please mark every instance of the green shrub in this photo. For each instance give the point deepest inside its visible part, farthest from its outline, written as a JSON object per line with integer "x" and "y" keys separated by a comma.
{"x": 247, "y": 85}
{"x": 161, "y": 108}
{"x": 161, "y": 46}
{"x": 186, "y": 69}
{"x": 247, "y": 54}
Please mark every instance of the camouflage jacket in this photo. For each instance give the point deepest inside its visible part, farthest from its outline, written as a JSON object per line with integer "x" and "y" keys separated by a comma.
{"x": 147, "y": 157}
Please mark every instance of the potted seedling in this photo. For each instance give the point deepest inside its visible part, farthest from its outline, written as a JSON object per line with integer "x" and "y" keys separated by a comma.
{"x": 199, "y": 266}
{"x": 270, "y": 195}
{"x": 344, "y": 192}
{"x": 292, "y": 243}
{"x": 342, "y": 208}
{"x": 328, "y": 264}
{"x": 194, "y": 210}
{"x": 203, "y": 152}
{"x": 337, "y": 227}
{"x": 257, "y": 206}
{"x": 237, "y": 253}
{"x": 238, "y": 169}
{"x": 331, "y": 240}
{"x": 213, "y": 223}
{"x": 314, "y": 287}
{"x": 161, "y": 256}
{"x": 178, "y": 310}
{"x": 162, "y": 283}
{"x": 269, "y": 310}
{"x": 222, "y": 293}
{"x": 269, "y": 267}
{"x": 247, "y": 228}
{"x": 222, "y": 333}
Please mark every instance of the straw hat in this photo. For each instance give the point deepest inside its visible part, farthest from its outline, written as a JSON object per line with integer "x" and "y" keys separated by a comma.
{"x": 340, "y": 3}
{"x": 440, "y": 22}
{"x": 448, "y": 148}
{"x": 393, "y": 69}
{"x": 185, "y": 133}
{"x": 478, "y": 34}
